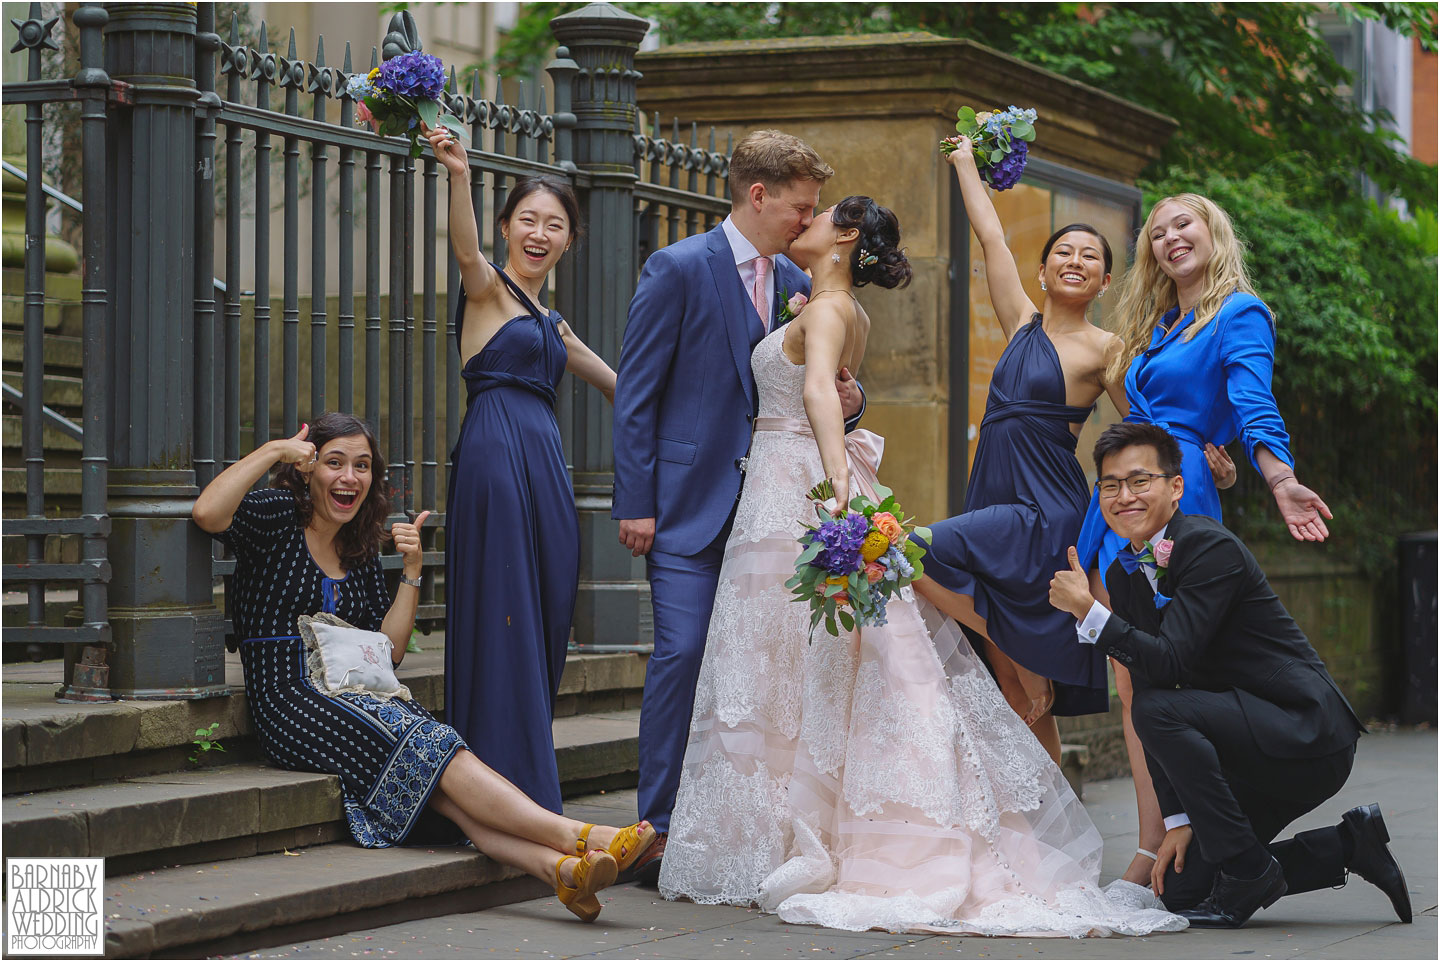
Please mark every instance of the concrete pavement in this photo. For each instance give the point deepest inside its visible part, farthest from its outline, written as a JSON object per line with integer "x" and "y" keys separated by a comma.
{"x": 1397, "y": 769}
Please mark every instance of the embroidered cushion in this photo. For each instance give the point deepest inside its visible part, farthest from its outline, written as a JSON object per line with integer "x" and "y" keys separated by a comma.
{"x": 344, "y": 658}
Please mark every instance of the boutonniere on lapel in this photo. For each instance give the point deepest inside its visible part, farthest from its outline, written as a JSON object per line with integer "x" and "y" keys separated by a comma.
{"x": 1158, "y": 554}
{"x": 792, "y": 306}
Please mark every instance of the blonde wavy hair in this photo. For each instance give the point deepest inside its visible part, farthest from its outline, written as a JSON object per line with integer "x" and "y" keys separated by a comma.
{"x": 1146, "y": 292}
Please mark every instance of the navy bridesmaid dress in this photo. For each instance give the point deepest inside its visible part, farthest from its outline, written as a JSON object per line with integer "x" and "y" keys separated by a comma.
{"x": 1023, "y": 509}
{"x": 512, "y": 554}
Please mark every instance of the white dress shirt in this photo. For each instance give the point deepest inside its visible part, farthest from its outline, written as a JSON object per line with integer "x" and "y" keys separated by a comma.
{"x": 1088, "y": 629}
{"x": 745, "y": 257}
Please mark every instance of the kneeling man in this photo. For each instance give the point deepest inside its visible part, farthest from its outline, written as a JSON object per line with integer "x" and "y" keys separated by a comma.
{"x": 1243, "y": 728}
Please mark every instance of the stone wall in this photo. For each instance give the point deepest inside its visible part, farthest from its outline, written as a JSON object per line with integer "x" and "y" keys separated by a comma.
{"x": 875, "y": 107}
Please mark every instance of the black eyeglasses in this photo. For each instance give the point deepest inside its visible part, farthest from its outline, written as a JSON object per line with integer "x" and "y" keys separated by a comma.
{"x": 1137, "y": 483}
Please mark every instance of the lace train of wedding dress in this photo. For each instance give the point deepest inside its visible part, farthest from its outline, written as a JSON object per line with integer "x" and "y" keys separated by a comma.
{"x": 877, "y": 780}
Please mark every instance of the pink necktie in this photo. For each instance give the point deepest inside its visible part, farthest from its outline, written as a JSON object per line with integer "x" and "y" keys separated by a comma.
{"x": 761, "y": 294}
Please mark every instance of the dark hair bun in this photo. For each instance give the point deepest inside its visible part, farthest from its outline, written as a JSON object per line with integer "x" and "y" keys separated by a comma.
{"x": 878, "y": 258}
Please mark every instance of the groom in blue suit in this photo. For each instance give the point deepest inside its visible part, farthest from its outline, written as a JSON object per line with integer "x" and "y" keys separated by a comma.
{"x": 685, "y": 402}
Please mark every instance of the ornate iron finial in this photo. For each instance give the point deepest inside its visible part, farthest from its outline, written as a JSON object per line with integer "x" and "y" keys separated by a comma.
{"x": 402, "y": 37}
{"x": 34, "y": 32}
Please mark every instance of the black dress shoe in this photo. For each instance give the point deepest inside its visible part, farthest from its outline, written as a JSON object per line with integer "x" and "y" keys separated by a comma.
{"x": 1233, "y": 900}
{"x": 1371, "y": 859}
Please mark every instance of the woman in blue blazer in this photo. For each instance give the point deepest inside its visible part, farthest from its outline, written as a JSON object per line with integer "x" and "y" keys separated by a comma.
{"x": 1199, "y": 350}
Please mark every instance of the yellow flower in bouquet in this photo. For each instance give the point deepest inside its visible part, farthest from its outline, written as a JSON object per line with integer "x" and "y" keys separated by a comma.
{"x": 876, "y": 543}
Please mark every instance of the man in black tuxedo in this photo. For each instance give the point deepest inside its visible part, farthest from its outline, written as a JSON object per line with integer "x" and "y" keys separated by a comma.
{"x": 1243, "y": 728}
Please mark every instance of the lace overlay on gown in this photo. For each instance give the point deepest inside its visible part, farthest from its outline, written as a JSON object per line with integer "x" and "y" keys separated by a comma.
{"x": 874, "y": 780}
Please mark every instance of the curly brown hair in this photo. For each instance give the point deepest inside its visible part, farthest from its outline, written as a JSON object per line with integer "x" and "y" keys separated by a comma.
{"x": 359, "y": 539}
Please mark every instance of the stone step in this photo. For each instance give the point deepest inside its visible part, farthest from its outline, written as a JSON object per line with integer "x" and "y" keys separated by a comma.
{"x": 238, "y": 810}
{"x": 62, "y": 482}
{"x": 63, "y": 392}
{"x": 240, "y": 904}
{"x": 61, "y": 352}
{"x": 51, "y": 438}
{"x": 51, "y": 745}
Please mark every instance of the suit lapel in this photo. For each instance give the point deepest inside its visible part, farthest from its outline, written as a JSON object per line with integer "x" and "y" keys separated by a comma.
{"x": 790, "y": 280}
{"x": 736, "y": 311}
{"x": 1155, "y": 615}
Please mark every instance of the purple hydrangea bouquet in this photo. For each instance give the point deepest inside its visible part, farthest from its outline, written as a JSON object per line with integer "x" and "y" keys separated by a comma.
{"x": 1001, "y": 139}
{"x": 858, "y": 562}
{"x": 395, "y": 97}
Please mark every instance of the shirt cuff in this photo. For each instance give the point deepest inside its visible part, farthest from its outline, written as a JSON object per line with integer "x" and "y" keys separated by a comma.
{"x": 1173, "y": 822}
{"x": 1089, "y": 628}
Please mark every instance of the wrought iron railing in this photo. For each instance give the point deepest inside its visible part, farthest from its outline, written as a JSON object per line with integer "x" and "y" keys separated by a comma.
{"x": 92, "y": 88}
{"x": 185, "y": 364}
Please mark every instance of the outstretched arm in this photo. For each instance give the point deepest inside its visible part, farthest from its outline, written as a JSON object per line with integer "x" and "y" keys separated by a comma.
{"x": 478, "y": 276}
{"x": 586, "y": 364}
{"x": 1007, "y": 294}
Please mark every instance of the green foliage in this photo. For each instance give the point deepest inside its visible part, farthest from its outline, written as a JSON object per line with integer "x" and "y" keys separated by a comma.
{"x": 1245, "y": 81}
{"x": 1268, "y": 130}
{"x": 1353, "y": 289}
{"x": 206, "y": 742}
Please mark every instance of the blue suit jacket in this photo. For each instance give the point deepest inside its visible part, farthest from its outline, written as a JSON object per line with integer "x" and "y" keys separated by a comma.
{"x": 685, "y": 397}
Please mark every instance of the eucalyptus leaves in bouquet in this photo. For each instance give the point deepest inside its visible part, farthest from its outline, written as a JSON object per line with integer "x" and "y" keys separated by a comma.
{"x": 1001, "y": 139}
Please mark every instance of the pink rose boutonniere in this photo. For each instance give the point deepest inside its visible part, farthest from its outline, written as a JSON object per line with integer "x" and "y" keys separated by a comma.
{"x": 794, "y": 304}
{"x": 1162, "y": 552}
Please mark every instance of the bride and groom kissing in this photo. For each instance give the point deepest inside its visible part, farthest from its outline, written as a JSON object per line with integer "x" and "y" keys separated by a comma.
{"x": 820, "y": 781}
{"x": 876, "y": 780}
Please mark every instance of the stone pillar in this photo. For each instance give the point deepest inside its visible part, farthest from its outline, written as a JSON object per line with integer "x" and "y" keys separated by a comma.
{"x": 167, "y": 634}
{"x": 613, "y": 607}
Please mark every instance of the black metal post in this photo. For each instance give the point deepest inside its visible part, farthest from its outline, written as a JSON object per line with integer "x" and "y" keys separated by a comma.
{"x": 595, "y": 79}
{"x": 93, "y": 85}
{"x": 166, "y": 630}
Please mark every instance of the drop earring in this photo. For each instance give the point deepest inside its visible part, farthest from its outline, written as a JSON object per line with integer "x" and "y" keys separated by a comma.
{"x": 1043, "y": 287}
{"x": 835, "y": 257}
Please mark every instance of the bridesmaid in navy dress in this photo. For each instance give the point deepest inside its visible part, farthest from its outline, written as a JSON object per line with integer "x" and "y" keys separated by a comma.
{"x": 512, "y": 536}
{"x": 1199, "y": 350}
{"x": 990, "y": 567}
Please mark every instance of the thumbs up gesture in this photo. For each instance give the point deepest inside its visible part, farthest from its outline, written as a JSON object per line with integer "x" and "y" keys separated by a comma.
{"x": 296, "y": 450}
{"x": 407, "y": 542}
{"x": 1070, "y": 588}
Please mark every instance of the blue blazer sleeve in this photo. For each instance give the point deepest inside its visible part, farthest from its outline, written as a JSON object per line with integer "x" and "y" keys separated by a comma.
{"x": 1247, "y": 350}
{"x": 652, "y": 334}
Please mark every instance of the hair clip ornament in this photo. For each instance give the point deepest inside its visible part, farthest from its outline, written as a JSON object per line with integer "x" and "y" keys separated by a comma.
{"x": 867, "y": 258}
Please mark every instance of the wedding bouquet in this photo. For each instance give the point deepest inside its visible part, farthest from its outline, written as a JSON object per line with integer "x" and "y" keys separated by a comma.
{"x": 858, "y": 562}
{"x": 1001, "y": 139}
{"x": 396, "y": 96}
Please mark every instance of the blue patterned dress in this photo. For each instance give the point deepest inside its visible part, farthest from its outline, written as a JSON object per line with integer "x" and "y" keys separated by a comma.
{"x": 389, "y": 754}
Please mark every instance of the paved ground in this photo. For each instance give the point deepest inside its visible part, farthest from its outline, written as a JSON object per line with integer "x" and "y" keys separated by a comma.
{"x": 1397, "y": 769}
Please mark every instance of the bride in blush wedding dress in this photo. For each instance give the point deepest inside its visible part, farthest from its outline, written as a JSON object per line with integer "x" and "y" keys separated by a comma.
{"x": 875, "y": 780}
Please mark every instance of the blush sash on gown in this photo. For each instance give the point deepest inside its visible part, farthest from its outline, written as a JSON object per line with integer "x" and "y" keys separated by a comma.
{"x": 872, "y": 780}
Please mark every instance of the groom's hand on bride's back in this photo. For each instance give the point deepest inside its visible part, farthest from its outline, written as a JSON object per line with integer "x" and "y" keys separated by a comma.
{"x": 637, "y": 534}
{"x": 849, "y": 390}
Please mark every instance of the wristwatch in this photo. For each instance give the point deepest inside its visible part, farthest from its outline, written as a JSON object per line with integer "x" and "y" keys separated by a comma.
{"x": 412, "y": 582}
